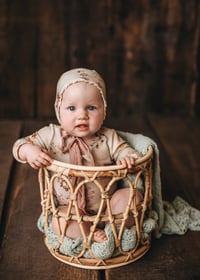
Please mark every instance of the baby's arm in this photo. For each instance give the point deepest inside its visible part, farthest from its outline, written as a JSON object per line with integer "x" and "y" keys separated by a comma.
{"x": 124, "y": 154}
{"x": 34, "y": 155}
{"x": 32, "y": 149}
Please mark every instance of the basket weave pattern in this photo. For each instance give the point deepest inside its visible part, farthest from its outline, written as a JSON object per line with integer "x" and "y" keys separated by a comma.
{"x": 115, "y": 174}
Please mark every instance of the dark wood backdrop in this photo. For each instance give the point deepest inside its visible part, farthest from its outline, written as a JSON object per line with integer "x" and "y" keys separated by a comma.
{"x": 147, "y": 51}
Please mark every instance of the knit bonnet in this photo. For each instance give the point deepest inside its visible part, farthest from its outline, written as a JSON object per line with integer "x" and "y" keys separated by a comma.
{"x": 79, "y": 75}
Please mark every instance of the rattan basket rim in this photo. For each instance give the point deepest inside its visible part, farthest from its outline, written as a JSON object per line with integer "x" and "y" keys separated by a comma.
{"x": 55, "y": 163}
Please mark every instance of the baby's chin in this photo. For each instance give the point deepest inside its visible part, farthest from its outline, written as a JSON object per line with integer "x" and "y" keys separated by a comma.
{"x": 82, "y": 133}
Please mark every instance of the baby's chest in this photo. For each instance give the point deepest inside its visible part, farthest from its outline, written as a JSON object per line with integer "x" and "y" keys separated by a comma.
{"x": 101, "y": 154}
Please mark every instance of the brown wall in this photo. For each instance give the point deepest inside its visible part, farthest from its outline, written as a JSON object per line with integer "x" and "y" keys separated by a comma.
{"x": 147, "y": 52}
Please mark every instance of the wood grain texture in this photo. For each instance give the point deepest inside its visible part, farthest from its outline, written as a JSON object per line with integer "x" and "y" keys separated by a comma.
{"x": 9, "y": 132}
{"x": 180, "y": 139}
{"x": 146, "y": 52}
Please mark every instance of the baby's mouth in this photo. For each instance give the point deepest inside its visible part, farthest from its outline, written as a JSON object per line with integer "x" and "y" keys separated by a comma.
{"x": 82, "y": 127}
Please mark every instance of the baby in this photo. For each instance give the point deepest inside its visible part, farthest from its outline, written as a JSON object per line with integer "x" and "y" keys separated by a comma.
{"x": 80, "y": 139}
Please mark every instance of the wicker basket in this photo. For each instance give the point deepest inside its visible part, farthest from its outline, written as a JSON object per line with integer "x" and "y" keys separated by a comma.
{"x": 140, "y": 213}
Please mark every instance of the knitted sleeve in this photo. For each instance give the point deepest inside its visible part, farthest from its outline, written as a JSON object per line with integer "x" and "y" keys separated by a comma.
{"x": 41, "y": 138}
{"x": 118, "y": 147}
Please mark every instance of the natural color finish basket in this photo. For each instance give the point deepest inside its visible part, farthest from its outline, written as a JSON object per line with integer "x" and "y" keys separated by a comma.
{"x": 142, "y": 169}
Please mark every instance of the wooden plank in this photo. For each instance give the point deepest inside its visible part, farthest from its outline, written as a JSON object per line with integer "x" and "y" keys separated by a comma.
{"x": 18, "y": 64}
{"x": 23, "y": 253}
{"x": 53, "y": 26}
{"x": 9, "y": 132}
{"x": 180, "y": 139}
{"x": 164, "y": 261}
{"x": 139, "y": 49}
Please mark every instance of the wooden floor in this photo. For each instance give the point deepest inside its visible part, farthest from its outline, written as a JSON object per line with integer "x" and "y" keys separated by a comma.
{"x": 23, "y": 254}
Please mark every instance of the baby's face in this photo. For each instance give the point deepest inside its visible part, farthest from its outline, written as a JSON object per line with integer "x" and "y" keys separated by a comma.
{"x": 82, "y": 110}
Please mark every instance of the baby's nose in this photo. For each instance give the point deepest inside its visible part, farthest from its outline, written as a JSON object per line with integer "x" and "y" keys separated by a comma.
{"x": 83, "y": 114}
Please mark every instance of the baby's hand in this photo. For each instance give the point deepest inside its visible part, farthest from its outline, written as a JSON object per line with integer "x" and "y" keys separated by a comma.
{"x": 127, "y": 161}
{"x": 35, "y": 156}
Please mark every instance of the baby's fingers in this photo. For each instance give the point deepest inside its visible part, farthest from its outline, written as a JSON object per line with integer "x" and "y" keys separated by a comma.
{"x": 40, "y": 160}
{"x": 129, "y": 161}
{"x": 44, "y": 159}
{"x": 126, "y": 162}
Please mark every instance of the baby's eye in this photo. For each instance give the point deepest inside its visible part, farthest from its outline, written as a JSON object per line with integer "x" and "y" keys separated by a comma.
{"x": 91, "y": 108}
{"x": 71, "y": 108}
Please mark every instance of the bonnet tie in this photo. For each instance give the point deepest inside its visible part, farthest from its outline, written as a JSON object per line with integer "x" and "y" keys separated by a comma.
{"x": 78, "y": 150}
